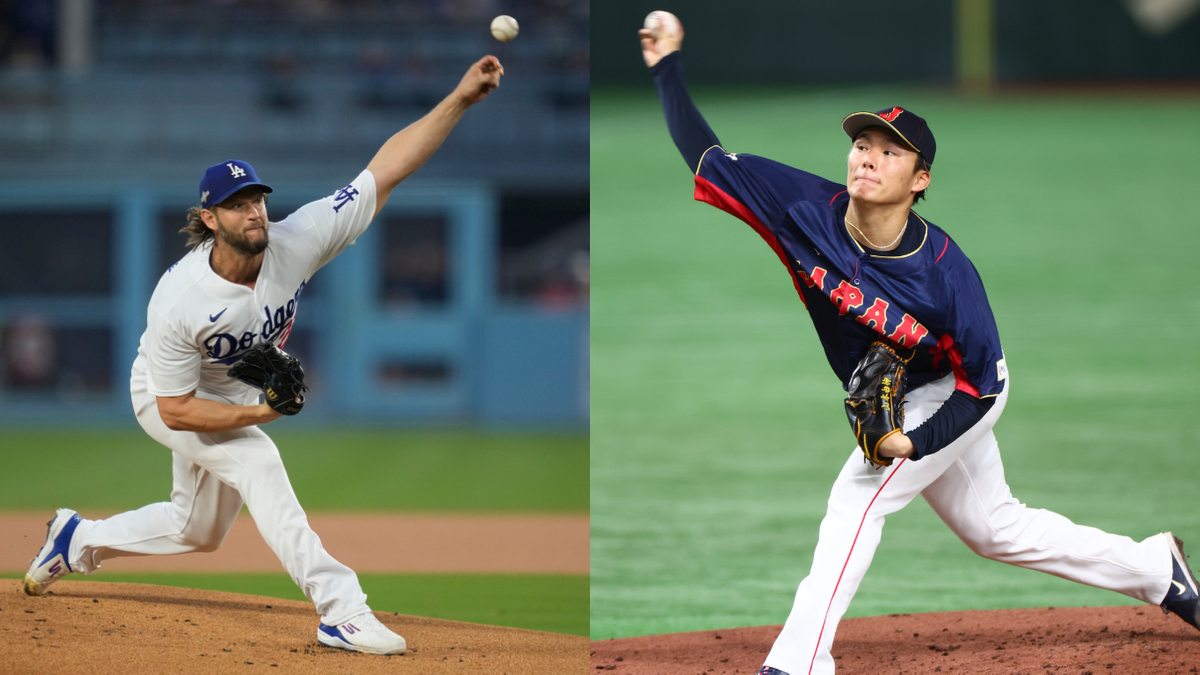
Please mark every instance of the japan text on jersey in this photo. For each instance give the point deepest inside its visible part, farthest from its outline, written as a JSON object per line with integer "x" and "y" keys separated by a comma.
{"x": 931, "y": 300}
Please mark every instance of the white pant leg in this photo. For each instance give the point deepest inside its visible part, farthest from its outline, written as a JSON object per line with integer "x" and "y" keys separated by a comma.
{"x": 861, "y": 498}
{"x": 247, "y": 462}
{"x": 199, "y": 515}
{"x": 974, "y": 500}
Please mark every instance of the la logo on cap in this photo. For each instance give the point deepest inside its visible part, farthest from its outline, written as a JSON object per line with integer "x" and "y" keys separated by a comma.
{"x": 222, "y": 180}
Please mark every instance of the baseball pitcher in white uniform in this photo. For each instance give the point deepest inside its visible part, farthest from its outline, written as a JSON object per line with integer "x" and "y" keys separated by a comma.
{"x": 237, "y": 288}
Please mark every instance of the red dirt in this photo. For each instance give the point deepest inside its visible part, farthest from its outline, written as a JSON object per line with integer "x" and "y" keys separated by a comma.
{"x": 1080, "y": 640}
{"x": 366, "y": 542}
{"x": 103, "y": 627}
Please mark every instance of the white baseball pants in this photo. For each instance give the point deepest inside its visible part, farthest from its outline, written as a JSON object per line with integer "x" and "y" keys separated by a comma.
{"x": 213, "y": 474}
{"x": 964, "y": 483}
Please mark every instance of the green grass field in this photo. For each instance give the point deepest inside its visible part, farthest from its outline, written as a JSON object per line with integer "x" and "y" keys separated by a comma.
{"x": 717, "y": 425}
{"x": 331, "y": 470}
{"x": 426, "y": 471}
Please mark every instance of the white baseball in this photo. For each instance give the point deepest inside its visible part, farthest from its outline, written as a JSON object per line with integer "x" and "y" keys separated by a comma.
{"x": 661, "y": 23}
{"x": 504, "y": 28}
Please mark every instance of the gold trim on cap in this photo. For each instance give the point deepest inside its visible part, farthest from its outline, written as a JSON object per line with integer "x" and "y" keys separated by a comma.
{"x": 889, "y": 125}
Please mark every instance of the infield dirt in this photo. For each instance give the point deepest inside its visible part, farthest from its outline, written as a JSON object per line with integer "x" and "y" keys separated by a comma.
{"x": 84, "y": 626}
{"x": 1085, "y": 640}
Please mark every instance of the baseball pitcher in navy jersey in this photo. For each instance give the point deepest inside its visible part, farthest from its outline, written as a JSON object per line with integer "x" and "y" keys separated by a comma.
{"x": 867, "y": 267}
{"x": 240, "y": 286}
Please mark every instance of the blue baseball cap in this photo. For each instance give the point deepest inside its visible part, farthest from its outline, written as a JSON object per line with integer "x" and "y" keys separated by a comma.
{"x": 226, "y": 178}
{"x": 908, "y": 125}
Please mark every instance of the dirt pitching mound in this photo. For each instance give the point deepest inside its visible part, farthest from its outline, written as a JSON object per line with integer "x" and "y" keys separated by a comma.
{"x": 1077, "y": 639}
{"x": 83, "y": 626}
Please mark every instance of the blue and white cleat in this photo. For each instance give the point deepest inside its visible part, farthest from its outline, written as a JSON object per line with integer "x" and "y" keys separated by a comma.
{"x": 768, "y": 670}
{"x": 53, "y": 561}
{"x": 1183, "y": 597}
{"x": 363, "y": 633}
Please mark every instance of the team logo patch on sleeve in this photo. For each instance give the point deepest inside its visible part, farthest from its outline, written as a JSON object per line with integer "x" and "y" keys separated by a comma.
{"x": 343, "y": 197}
{"x": 1001, "y": 371}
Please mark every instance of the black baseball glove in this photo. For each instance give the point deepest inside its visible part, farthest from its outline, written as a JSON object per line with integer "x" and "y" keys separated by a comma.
{"x": 875, "y": 405}
{"x": 275, "y": 372}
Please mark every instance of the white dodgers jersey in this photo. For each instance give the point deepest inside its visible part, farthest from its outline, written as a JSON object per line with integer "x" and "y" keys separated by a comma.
{"x": 198, "y": 323}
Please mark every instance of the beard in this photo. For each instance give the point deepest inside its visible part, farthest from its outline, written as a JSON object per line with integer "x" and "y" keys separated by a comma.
{"x": 240, "y": 243}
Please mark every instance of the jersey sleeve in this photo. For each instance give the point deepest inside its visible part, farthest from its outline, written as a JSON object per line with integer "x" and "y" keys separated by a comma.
{"x": 174, "y": 364}
{"x": 691, "y": 133}
{"x": 331, "y": 224}
{"x": 972, "y": 341}
{"x": 959, "y": 413}
{"x": 757, "y": 190}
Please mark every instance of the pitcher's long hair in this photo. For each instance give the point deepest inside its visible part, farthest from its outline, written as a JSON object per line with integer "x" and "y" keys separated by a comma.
{"x": 197, "y": 232}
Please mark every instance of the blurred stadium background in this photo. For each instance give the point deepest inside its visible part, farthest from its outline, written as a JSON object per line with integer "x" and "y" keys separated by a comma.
{"x": 463, "y": 311}
{"x": 465, "y": 303}
{"x": 1066, "y": 132}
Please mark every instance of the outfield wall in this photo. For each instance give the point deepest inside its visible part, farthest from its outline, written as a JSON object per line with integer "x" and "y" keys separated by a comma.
{"x": 814, "y": 42}
{"x": 372, "y": 347}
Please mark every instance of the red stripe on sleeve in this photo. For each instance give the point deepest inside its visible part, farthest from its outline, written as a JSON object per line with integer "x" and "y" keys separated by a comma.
{"x": 961, "y": 383}
{"x": 834, "y": 197}
{"x": 709, "y": 193}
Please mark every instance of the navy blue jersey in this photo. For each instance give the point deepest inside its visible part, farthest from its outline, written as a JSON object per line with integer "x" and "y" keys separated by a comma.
{"x": 930, "y": 301}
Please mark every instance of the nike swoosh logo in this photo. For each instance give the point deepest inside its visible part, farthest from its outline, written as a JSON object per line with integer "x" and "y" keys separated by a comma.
{"x": 1181, "y": 587}
{"x": 214, "y": 317}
